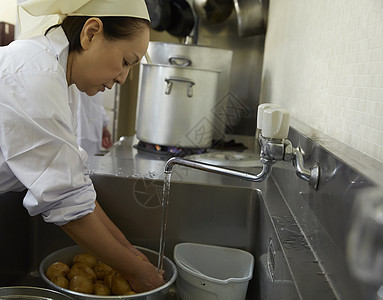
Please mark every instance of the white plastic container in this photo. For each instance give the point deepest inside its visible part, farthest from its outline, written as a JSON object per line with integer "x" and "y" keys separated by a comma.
{"x": 211, "y": 272}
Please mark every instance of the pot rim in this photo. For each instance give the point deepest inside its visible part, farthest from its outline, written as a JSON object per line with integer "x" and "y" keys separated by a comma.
{"x": 30, "y": 291}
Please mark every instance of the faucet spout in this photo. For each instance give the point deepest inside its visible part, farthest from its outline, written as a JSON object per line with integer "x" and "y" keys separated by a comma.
{"x": 264, "y": 174}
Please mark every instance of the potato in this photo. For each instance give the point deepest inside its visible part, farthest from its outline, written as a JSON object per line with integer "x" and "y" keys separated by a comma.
{"x": 99, "y": 288}
{"x": 61, "y": 281}
{"x": 81, "y": 284}
{"x": 108, "y": 279}
{"x": 99, "y": 280}
{"x": 86, "y": 259}
{"x": 130, "y": 293}
{"x": 81, "y": 269}
{"x": 102, "y": 270}
{"x": 57, "y": 269}
{"x": 120, "y": 285}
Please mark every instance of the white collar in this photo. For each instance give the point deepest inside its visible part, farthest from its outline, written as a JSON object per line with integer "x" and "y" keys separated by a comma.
{"x": 60, "y": 45}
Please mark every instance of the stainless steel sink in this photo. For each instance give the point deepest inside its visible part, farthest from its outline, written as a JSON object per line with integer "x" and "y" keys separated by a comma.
{"x": 197, "y": 213}
{"x": 221, "y": 214}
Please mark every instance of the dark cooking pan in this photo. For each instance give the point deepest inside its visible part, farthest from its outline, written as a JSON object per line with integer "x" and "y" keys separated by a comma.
{"x": 182, "y": 18}
{"x": 159, "y": 12}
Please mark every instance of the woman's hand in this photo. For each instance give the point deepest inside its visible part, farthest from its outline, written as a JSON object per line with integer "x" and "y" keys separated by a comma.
{"x": 106, "y": 138}
{"x": 146, "y": 278}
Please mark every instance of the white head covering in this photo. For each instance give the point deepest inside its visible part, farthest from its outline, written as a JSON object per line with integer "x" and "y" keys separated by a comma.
{"x": 36, "y": 16}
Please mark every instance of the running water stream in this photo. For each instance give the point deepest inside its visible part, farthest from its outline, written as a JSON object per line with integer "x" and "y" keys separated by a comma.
{"x": 164, "y": 205}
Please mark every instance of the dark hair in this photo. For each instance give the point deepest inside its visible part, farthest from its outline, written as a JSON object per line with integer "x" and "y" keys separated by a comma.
{"x": 114, "y": 28}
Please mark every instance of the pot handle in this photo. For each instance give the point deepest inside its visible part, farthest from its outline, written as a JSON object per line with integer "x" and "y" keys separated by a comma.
{"x": 180, "y": 61}
{"x": 171, "y": 79}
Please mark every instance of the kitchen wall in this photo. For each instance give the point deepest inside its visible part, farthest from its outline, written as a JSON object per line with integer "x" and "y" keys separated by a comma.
{"x": 323, "y": 61}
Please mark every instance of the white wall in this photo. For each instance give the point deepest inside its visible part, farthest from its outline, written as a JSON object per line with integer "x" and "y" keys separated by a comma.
{"x": 324, "y": 62}
{"x": 8, "y": 11}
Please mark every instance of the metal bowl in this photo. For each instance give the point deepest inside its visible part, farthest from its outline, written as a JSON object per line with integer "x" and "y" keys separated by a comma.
{"x": 66, "y": 255}
{"x": 29, "y": 292}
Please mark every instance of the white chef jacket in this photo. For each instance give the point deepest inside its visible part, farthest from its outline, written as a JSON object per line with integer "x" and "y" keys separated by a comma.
{"x": 38, "y": 148}
{"x": 91, "y": 120}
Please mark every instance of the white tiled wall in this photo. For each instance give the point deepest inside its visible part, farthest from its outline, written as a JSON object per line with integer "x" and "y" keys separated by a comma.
{"x": 324, "y": 62}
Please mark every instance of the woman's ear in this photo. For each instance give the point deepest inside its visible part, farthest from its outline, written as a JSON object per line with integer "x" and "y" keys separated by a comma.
{"x": 91, "y": 28}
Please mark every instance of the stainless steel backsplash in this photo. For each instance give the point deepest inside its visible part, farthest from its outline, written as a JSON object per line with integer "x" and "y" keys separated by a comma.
{"x": 325, "y": 216}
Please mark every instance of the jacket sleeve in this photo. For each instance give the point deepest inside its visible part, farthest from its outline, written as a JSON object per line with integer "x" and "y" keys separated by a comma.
{"x": 39, "y": 145}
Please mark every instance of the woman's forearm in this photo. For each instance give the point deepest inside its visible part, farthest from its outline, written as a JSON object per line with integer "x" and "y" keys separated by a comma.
{"x": 113, "y": 229}
{"x": 91, "y": 233}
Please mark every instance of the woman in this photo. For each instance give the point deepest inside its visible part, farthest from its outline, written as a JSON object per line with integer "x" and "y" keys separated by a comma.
{"x": 92, "y": 127}
{"x": 94, "y": 47}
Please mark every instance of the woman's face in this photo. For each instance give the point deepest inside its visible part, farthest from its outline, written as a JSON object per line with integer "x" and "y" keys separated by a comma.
{"x": 104, "y": 62}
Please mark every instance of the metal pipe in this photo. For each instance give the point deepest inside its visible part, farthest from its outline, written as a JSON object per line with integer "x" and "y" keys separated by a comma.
{"x": 266, "y": 170}
{"x": 301, "y": 171}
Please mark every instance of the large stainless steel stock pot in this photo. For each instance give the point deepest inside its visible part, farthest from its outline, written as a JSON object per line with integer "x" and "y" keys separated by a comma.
{"x": 202, "y": 58}
{"x": 195, "y": 56}
{"x": 176, "y": 105}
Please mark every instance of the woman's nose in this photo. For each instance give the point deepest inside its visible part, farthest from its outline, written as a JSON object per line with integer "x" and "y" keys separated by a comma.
{"x": 120, "y": 79}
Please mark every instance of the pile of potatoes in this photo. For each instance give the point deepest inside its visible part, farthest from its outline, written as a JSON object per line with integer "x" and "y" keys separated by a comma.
{"x": 88, "y": 275}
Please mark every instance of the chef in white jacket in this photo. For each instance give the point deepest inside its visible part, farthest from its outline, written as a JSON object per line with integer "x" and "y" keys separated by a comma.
{"x": 94, "y": 47}
{"x": 92, "y": 127}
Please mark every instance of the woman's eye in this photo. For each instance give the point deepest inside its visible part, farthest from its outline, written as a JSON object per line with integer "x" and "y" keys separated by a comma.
{"x": 125, "y": 63}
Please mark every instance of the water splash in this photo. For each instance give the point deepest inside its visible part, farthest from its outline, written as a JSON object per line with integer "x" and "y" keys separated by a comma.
{"x": 151, "y": 174}
{"x": 119, "y": 172}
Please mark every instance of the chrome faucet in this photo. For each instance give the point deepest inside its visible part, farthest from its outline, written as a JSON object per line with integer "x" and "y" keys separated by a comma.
{"x": 272, "y": 126}
{"x": 276, "y": 150}
{"x": 266, "y": 170}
